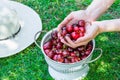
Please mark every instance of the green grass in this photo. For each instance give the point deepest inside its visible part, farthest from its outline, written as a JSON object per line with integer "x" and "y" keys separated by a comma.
{"x": 30, "y": 64}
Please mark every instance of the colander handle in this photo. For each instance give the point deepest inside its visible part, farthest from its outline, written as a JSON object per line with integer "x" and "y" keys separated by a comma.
{"x": 35, "y": 37}
{"x": 101, "y": 51}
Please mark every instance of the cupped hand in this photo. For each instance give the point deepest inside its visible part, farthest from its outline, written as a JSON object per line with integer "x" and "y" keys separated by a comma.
{"x": 92, "y": 31}
{"x": 72, "y": 18}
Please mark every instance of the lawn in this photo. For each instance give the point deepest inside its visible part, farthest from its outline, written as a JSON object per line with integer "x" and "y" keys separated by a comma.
{"x": 30, "y": 64}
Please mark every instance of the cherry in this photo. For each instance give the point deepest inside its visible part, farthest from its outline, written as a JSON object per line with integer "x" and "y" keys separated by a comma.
{"x": 60, "y": 58}
{"x": 50, "y": 54}
{"x": 75, "y": 35}
{"x": 63, "y": 28}
{"x": 66, "y": 60}
{"x": 54, "y": 34}
{"x": 65, "y": 53}
{"x": 55, "y": 57}
{"x": 76, "y": 29}
{"x": 58, "y": 40}
{"x": 70, "y": 49}
{"x": 75, "y": 59}
{"x": 54, "y": 47}
{"x": 64, "y": 32}
{"x": 47, "y": 51}
{"x": 81, "y": 34}
{"x": 54, "y": 42}
{"x": 47, "y": 45}
{"x": 59, "y": 45}
{"x": 82, "y": 29}
{"x": 69, "y": 28}
{"x": 81, "y": 23}
{"x": 87, "y": 52}
{"x": 89, "y": 47}
{"x": 81, "y": 48}
{"x": 83, "y": 57}
{"x": 59, "y": 51}
{"x": 82, "y": 53}
{"x": 72, "y": 54}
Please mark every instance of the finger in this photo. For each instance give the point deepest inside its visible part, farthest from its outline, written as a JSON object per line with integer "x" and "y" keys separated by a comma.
{"x": 63, "y": 41}
{"x": 73, "y": 44}
{"x": 81, "y": 43}
{"x": 73, "y": 21}
{"x": 65, "y": 21}
{"x": 69, "y": 40}
{"x": 83, "y": 39}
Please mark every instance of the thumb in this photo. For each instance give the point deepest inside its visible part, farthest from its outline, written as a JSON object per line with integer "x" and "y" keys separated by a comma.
{"x": 83, "y": 39}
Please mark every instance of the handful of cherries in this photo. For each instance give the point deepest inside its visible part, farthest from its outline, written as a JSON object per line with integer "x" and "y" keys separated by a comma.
{"x": 60, "y": 52}
{"x": 74, "y": 31}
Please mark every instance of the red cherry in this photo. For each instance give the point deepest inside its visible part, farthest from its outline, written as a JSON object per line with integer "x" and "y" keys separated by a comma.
{"x": 83, "y": 57}
{"x": 81, "y": 48}
{"x": 55, "y": 57}
{"x": 81, "y": 23}
{"x": 65, "y": 53}
{"x": 76, "y": 29}
{"x": 60, "y": 58}
{"x": 75, "y": 35}
{"x": 47, "y": 45}
{"x": 47, "y": 51}
{"x": 72, "y": 54}
{"x": 87, "y": 52}
{"x": 59, "y": 51}
{"x": 54, "y": 42}
{"x": 72, "y": 60}
{"x": 66, "y": 60}
{"x": 82, "y": 29}
{"x": 81, "y": 34}
{"x": 82, "y": 53}
{"x": 59, "y": 45}
{"x": 54, "y": 47}
{"x": 63, "y": 28}
{"x": 69, "y": 28}
{"x": 75, "y": 59}
{"x": 50, "y": 54}
{"x": 70, "y": 49}
{"x": 64, "y": 32}
{"x": 58, "y": 40}
{"x": 89, "y": 47}
{"x": 54, "y": 34}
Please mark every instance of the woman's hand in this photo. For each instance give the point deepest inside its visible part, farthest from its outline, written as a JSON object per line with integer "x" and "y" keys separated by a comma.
{"x": 92, "y": 30}
{"x": 72, "y": 18}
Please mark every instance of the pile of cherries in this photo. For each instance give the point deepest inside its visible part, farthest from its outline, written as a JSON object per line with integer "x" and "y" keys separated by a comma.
{"x": 60, "y": 52}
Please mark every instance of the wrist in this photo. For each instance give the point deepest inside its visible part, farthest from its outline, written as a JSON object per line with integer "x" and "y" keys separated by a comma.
{"x": 99, "y": 25}
{"x": 91, "y": 16}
